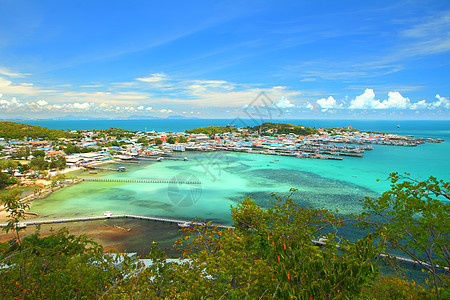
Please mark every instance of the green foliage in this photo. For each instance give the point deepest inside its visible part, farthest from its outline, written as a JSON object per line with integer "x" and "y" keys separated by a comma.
{"x": 37, "y": 153}
{"x": 158, "y": 141}
{"x": 11, "y": 130}
{"x": 118, "y": 132}
{"x": 15, "y": 210}
{"x": 269, "y": 254}
{"x": 58, "y": 162}
{"x": 171, "y": 139}
{"x": 6, "y": 180}
{"x": 212, "y": 130}
{"x": 21, "y": 152}
{"x": 182, "y": 139}
{"x": 8, "y": 165}
{"x": 71, "y": 148}
{"x": 387, "y": 287}
{"x": 284, "y": 128}
{"x": 59, "y": 266}
{"x": 412, "y": 218}
{"x": 39, "y": 163}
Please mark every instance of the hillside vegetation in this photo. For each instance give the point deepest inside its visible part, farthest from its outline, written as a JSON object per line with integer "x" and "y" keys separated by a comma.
{"x": 210, "y": 130}
{"x": 12, "y": 130}
{"x": 284, "y": 128}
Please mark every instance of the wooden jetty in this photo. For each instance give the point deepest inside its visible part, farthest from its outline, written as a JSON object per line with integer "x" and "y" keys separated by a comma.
{"x": 119, "y": 169}
{"x": 142, "y": 180}
{"x": 109, "y": 215}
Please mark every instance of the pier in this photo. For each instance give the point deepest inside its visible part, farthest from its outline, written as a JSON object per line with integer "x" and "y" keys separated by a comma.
{"x": 142, "y": 180}
{"x": 119, "y": 169}
{"x": 109, "y": 215}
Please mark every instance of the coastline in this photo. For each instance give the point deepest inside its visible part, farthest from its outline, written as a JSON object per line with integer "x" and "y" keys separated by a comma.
{"x": 47, "y": 192}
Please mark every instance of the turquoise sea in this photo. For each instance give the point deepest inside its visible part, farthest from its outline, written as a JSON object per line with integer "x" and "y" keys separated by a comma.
{"x": 227, "y": 178}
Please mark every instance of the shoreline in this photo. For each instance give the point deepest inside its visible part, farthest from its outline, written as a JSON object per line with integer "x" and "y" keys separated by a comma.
{"x": 44, "y": 193}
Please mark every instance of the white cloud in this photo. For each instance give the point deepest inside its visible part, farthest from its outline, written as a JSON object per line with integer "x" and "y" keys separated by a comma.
{"x": 442, "y": 102}
{"x": 328, "y": 103}
{"x": 41, "y": 102}
{"x": 367, "y": 101}
{"x": 24, "y": 88}
{"x": 395, "y": 101}
{"x": 422, "y": 104}
{"x": 13, "y": 103}
{"x": 149, "y": 108}
{"x": 283, "y": 103}
{"x": 363, "y": 101}
{"x": 165, "y": 110}
{"x": 84, "y": 105}
{"x": 153, "y": 78}
{"x": 309, "y": 106}
{"x": 6, "y": 72}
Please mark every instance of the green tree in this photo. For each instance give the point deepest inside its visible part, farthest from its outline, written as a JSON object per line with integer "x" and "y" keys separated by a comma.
{"x": 23, "y": 168}
{"x": 58, "y": 162}
{"x": 269, "y": 254}
{"x": 15, "y": 210}
{"x": 37, "y": 153}
{"x": 6, "y": 180}
{"x": 59, "y": 266}
{"x": 22, "y": 152}
{"x": 39, "y": 163}
{"x": 158, "y": 141}
{"x": 170, "y": 139}
{"x": 182, "y": 139}
{"x": 414, "y": 217}
{"x": 9, "y": 165}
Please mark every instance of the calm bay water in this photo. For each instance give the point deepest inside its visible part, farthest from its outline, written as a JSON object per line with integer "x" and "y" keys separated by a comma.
{"x": 227, "y": 178}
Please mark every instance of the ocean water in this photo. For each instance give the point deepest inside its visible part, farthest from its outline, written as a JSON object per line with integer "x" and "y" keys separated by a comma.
{"x": 227, "y": 178}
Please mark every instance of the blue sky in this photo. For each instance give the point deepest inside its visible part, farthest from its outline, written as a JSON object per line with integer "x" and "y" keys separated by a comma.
{"x": 211, "y": 59}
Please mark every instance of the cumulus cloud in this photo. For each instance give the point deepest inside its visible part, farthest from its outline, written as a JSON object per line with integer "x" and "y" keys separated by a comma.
{"x": 84, "y": 105}
{"x": 395, "y": 100}
{"x": 363, "y": 101}
{"x": 330, "y": 102}
{"x": 165, "y": 110}
{"x": 442, "y": 102}
{"x": 283, "y": 103}
{"x": 12, "y": 103}
{"x": 367, "y": 101}
{"x": 422, "y": 104}
{"x": 41, "y": 102}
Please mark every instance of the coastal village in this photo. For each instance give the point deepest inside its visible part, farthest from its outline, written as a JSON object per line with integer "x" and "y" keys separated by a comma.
{"x": 92, "y": 147}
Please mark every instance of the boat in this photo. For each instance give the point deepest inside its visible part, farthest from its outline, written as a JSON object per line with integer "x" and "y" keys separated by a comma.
{"x": 184, "y": 225}
{"x": 92, "y": 172}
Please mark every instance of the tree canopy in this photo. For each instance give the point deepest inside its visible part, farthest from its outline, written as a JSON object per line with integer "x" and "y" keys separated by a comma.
{"x": 12, "y": 130}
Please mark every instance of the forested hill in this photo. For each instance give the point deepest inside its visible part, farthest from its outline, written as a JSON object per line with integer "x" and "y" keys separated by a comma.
{"x": 281, "y": 128}
{"x": 210, "y": 130}
{"x": 12, "y": 130}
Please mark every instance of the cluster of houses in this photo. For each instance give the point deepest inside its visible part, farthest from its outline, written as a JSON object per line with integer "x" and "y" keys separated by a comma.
{"x": 98, "y": 146}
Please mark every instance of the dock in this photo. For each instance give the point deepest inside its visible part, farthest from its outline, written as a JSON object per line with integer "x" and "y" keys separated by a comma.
{"x": 108, "y": 215}
{"x": 142, "y": 180}
{"x": 119, "y": 169}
